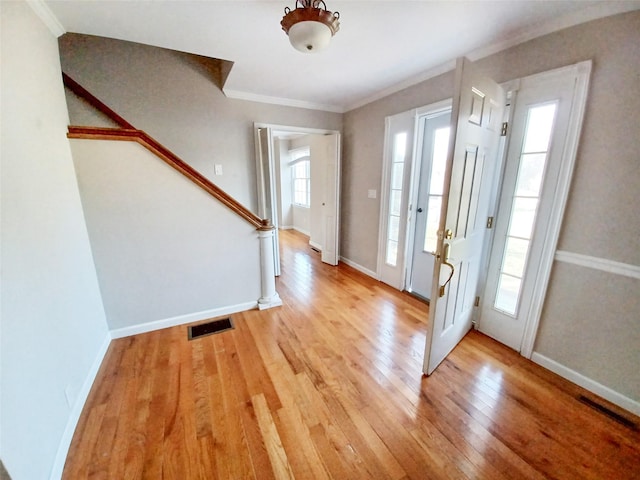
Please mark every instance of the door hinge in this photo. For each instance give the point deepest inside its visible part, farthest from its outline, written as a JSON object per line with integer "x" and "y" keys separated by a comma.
{"x": 489, "y": 222}
{"x": 477, "y": 302}
{"x": 505, "y": 127}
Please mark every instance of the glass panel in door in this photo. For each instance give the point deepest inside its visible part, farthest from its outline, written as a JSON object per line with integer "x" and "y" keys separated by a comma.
{"x": 532, "y": 165}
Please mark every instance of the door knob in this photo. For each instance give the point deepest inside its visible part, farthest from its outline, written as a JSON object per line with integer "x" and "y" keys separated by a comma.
{"x": 447, "y": 250}
{"x": 419, "y": 210}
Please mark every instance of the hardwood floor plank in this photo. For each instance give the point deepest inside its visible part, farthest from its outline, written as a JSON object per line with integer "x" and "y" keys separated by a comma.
{"x": 271, "y": 438}
{"x": 235, "y": 395}
{"x": 303, "y": 457}
{"x": 329, "y": 386}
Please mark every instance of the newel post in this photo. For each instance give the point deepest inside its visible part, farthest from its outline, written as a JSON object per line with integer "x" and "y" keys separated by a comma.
{"x": 269, "y": 297}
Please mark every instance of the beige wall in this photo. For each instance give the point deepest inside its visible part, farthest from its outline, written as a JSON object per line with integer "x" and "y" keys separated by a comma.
{"x": 601, "y": 218}
{"x": 173, "y": 99}
{"x": 163, "y": 248}
{"x": 53, "y": 325}
{"x": 363, "y": 141}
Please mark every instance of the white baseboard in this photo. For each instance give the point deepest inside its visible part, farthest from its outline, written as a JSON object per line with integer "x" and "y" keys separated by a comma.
{"x": 286, "y": 227}
{"x": 315, "y": 245}
{"x": 585, "y": 382}
{"x": 359, "y": 267}
{"x": 182, "y": 319}
{"x": 76, "y": 411}
{"x": 304, "y": 232}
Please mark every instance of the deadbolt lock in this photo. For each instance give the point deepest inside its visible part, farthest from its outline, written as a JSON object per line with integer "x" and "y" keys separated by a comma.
{"x": 448, "y": 234}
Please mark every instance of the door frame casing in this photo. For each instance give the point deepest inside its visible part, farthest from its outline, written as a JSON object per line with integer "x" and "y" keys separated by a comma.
{"x": 409, "y": 194}
{"x": 271, "y": 166}
{"x": 582, "y": 72}
{"x": 532, "y": 317}
{"x": 397, "y": 272}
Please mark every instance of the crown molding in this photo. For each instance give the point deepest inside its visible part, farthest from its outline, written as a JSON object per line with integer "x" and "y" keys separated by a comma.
{"x": 409, "y": 82}
{"x": 572, "y": 19}
{"x": 287, "y": 102}
{"x": 48, "y": 18}
{"x": 595, "y": 12}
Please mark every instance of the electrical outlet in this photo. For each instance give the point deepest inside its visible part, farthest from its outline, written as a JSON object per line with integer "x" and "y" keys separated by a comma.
{"x": 372, "y": 194}
{"x": 218, "y": 169}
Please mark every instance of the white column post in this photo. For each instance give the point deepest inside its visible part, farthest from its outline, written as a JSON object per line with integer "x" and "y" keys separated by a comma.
{"x": 270, "y": 297}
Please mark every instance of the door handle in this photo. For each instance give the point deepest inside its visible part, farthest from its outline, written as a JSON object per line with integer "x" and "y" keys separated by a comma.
{"x": 447, "y": 250}
{"x": 419, "y": 210}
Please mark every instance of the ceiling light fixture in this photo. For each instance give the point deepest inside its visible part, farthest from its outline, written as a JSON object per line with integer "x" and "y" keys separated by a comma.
{"x": 310, "y": 26}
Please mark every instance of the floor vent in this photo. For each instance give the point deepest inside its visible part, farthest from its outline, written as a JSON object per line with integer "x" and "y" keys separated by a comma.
{"x": 608, "y": 412}
{"x": 209, "y": 328}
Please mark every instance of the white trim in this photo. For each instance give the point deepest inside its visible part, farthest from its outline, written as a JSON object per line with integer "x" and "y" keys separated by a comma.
{"x": 422, "y": 115}
{"x": 385, "y": 181}
{"x": 304, "y": 232}
{"x": 271, "y": 302}
{"x": 278, "y": 129}
{"x": 602, "y": 264}
{"x": 48, "y": 18}
{"x": 582, "y": 72}
{"x": 587, "y": 383}
{"x": 571, "y": 19}
{"x": 76, "y": 411}
{"x": 286, "y": 102}
{"x": 395, "y": 276}
{"x": 409, "y": 82}
{"x": 181, "y": 319}
{"x": 315, "y": 245}
{"x": 359, "y": 267}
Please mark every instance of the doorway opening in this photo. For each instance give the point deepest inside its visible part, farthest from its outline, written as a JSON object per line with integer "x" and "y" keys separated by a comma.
{"x": 501, "y": 205}
{"x": 298, "y": 174}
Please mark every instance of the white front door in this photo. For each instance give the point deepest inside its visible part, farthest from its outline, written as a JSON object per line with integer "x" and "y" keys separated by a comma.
{"x": 433, "y": 158}
{"x": 539, "y": 142}
{"x": 478, "y": 103}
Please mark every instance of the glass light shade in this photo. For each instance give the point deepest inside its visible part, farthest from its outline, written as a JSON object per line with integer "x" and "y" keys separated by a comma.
{"x": 309, "y": 36}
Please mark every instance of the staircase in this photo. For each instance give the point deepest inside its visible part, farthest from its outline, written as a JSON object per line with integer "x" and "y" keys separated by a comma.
{"x": 148, "y": 233}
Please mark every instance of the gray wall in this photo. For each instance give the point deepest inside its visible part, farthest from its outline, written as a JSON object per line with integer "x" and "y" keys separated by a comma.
{"x": 163, "y": 248}
{"x": 174, "y": 100}
{"x": 363, "y": 144}
{"x": 52, "y": 320}
{"x": 601, "y": 219}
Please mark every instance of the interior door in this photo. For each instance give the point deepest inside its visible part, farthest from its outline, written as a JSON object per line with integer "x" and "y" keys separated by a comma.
{"x": 267, "y": 187}
{"x": 475, "y": 132}
{"x": 328, "y": 156}
{"x": 435, "y": 141}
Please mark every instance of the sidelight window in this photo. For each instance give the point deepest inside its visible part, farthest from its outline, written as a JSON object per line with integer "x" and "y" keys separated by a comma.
{"x": 533, "y": 160}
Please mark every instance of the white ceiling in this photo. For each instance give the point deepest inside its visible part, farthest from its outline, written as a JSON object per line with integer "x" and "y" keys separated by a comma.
{"x": 382, "y": 46}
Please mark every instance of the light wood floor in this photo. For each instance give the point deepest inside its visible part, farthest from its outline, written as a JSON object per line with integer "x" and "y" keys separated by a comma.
{"x": 330, "y": 386}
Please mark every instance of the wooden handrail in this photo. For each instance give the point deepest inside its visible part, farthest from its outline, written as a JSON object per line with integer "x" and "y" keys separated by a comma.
{"x": 94, "y": 101}
{"x": 134, "y": 135}
{"x": 129, "y": 133}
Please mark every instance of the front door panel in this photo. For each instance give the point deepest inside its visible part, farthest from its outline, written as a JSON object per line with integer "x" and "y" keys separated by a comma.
{"x": 475, "y": 133}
